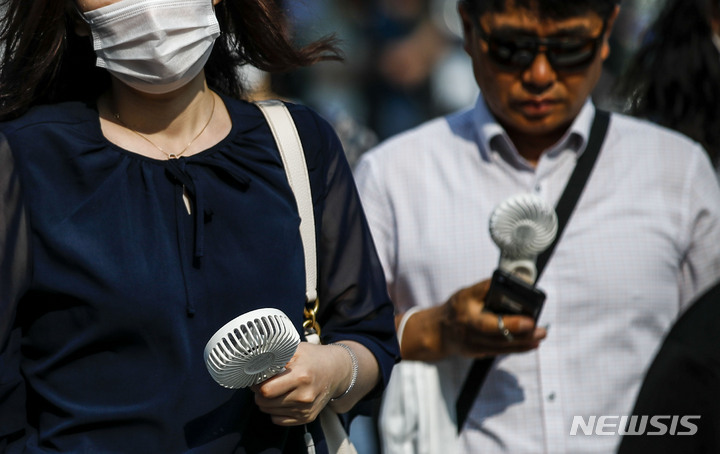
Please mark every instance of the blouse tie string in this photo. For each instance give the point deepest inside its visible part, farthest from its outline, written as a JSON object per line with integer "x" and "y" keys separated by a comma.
{"x": 179, "y": 175}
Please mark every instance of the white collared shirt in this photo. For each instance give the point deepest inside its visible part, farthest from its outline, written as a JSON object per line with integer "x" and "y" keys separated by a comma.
{"x": 643, "y": 241}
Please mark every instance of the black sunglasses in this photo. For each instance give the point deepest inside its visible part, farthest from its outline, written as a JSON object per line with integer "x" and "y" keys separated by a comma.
{"x": 562, "y": 53}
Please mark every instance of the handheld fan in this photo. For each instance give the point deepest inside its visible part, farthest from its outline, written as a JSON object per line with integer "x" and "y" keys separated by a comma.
{"x": 522, "y": 226}
{"x": 251, "y": 348}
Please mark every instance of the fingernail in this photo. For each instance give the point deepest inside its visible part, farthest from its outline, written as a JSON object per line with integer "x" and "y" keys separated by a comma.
{"x": 525, "y": 325}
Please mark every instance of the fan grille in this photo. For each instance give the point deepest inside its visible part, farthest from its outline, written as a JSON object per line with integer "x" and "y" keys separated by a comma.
{"x": 251, "y": 348}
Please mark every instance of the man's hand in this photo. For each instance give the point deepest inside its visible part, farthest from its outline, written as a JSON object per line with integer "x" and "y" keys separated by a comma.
{"x": 469, "y": 331}
{"x": 460, "y": 327}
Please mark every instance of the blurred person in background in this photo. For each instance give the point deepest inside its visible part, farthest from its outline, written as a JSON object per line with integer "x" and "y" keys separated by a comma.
{"x": 418, "y": 69}
{"x": 674, "y": 77}
{"x": 405, "y": 65}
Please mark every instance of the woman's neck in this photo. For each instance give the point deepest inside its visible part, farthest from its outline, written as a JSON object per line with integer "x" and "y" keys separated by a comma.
{"x": 183, "y": 122}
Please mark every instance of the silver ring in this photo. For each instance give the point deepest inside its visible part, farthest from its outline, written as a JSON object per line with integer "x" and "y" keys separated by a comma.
{"x": 503, "y": 330}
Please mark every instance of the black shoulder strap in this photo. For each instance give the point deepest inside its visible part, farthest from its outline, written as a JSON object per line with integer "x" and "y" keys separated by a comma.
{"x": 574, "y": 188}
{"x": 576, "y": 183}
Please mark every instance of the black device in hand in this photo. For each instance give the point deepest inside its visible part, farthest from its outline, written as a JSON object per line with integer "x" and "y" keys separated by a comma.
{"x": 511, "y": 295}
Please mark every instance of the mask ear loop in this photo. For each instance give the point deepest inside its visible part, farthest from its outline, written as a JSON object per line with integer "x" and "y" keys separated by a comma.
{"x": 77, "y": 20}
{"x": 224, "y": 16}
{"x": 76, "y": 13}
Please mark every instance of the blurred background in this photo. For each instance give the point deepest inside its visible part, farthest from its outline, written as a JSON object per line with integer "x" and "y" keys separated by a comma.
{"x": 404, "y": 64}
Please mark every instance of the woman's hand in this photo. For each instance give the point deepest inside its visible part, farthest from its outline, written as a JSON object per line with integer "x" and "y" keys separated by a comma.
{"x": 314, "y": 375}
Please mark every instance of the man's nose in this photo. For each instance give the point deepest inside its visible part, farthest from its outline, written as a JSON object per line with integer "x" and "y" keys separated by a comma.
{"x": 540, "y": 75}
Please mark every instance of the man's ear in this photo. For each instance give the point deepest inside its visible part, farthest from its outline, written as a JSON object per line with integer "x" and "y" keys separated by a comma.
{"x": 215, "y": 2}
{"x": 605, "y": 51}
{"x": 467, "y": 25}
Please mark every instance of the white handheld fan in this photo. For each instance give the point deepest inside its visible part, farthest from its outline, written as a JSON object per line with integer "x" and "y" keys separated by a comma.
{"x": 251, "y": 348}
{"x": 522, "y": 226}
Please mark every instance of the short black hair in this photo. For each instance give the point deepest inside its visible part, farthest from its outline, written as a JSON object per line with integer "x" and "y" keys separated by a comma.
{"x": 551, "y": 9}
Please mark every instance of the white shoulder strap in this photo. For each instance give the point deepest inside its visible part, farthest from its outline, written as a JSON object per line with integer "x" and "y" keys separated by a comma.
{"x": 293, "y": 158}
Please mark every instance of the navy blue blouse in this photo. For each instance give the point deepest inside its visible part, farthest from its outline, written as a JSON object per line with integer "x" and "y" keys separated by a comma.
{"x": 110, "y": 288}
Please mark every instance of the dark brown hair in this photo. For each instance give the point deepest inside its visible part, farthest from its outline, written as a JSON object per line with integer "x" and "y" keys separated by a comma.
{"x": 44, "y": 61}
{"x": 553, "y": 9}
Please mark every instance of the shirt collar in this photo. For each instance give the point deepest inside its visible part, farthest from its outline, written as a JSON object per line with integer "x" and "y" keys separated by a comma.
{"x": 493, "y": 137}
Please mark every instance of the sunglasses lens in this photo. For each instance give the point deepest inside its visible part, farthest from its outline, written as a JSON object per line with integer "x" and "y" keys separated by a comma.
{"x": 512, "y": 54}
{"x": 572, "y": 55}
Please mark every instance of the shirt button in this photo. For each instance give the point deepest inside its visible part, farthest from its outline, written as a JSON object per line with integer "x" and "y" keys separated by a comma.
{"x": 551, "y": 397}
{"x": 537, "y": 188}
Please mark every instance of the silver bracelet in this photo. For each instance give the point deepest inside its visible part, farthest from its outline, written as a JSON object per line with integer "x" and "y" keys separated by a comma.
{"x": 354, "y": 360}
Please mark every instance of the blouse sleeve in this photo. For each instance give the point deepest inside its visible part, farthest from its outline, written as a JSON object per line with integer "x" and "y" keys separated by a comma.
{"x": 14, "y": 276}
{"x": 354, "y": 304}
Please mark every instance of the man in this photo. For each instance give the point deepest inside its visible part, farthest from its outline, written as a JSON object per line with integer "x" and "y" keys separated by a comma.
{"x": 641, "y": 243}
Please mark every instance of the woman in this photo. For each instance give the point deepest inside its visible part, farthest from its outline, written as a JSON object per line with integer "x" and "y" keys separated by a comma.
{"x": 143, "y": 207}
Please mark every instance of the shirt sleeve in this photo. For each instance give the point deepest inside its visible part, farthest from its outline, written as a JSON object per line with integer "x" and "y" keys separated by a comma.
{"x": 14, "y": 275}
{"x": 354, "y": 304}
{"x": 701, "y": 264}
{"x": 379, "y": 212}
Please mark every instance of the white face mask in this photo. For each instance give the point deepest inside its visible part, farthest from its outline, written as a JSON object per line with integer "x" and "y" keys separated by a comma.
{"x": 154, "y": 46}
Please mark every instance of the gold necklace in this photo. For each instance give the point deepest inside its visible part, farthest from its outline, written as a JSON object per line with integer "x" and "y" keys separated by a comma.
{"x": 169, "y": 155}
